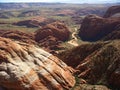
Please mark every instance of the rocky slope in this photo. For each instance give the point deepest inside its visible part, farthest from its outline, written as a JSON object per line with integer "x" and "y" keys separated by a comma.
{"x": 50, "y": 44}
{"x": 49, "y": 37}
{"x": 18, "y": 36}
{"x": 27, "y": 67}
{"x": 97, "y": 63}
{"x": 34, "y": 22}
{"x": 27, "y": 23}
{"x": 94, "y": 28}
{"x": 112, "y": 11}
{"x": 91, "y": 10}
{"x": 55, "y": 29}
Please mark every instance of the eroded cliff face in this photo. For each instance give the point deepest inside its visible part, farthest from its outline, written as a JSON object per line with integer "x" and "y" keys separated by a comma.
{"x": 56, "y": 29}
{"x": 95, "y": 28}
{"x": 112, "y": 11}
{"x": 27, "y": 67}
{"x": 96, "y": 63}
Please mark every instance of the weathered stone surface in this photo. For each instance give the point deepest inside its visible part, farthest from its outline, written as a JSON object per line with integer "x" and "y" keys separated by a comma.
{"x": 112, "y": 36}
{"x": 18, "y": 35}
{"x": 50, "y": 44}
{"x": 112, "y": 11}
{"x": 55, "y": 29}
{"x": 94, "y": 28}
{"x": 27, "y": 67}
{"x": 96, "y": 63}
{"x": 35, "y": 22}
{"x": 28, "y": 23}
{"x": 91, "y": 87}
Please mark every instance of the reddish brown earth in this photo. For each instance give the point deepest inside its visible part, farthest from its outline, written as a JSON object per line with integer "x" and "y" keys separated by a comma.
{"x": 65, "y": 12}
{"x": 55, "y": 29}
{"x": 28, "y": 23}
{"x": 18, "y": 35}
{"x": 97, "y": 63}
{"x": 27, "y": 67}
{"x": 34, "y": 22}
{"x": 50, "y": 44}
{"x": 112, "y": 10}
{"x": 94, "y": 27}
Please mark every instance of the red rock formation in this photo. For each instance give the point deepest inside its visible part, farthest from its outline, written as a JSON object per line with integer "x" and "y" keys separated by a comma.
{"x": 50, "y": 43}
{"x": 76, "y": 55}
{"x": 26, "y": 67}
{"x": 28, "y": 23}
{"x": 56, "y": 29}
{"x": 18, "y": 35}
{"x": 97, "y": 63}
{"x": 35, "y": 22}
{"x": 112, "y": 10}
{"x": 94, "y": 27}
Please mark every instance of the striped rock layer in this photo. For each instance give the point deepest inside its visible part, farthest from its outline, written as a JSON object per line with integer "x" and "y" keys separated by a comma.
{"x": 27, "y": 67}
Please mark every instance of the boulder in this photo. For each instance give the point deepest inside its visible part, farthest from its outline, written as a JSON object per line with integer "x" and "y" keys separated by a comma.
{"x": 94, "y": 28}
{"x": 27, "y": 67}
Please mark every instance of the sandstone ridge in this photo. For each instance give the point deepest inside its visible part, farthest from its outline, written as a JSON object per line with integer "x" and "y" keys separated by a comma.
{"x": 27, "y": 67}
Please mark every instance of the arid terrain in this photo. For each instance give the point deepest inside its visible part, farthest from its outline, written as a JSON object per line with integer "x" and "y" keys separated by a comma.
{"x": 59, "y": 46}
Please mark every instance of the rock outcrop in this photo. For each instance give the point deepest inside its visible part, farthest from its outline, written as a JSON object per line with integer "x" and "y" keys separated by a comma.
{"x": 112, "y": 11}
{"x": 91, "y": 10}
{"x": 18, "y": 35}
{"x": 97, "y": 63}
{"x": 50, "y": 44}
{"x": 27, "y": 23}
{"x": 112, "y": 36}
{"x": 27, "y": 67}
{"x": 94, "y": 28}
{"x": 55, "y": 29}
{"x": 35, "y": 22}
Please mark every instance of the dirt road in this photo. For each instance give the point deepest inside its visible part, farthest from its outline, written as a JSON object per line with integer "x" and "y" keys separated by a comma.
{"x": 74, "y": 38}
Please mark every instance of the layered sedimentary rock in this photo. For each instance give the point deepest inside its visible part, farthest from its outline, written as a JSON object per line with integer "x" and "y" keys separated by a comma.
{"x": 27, "y": 67}
{"x": 35, "y": 22}
{"x": 18, "y": 35}
{"x": 112, "y": 11}
{"x": 94, "y": 28}
{"x": 28, "y": 23}
{"x": 112, "y": 36}
{"x": 55, "y": 29}
{"x": 51, "y": 44}
{"x": 97, "y": 63}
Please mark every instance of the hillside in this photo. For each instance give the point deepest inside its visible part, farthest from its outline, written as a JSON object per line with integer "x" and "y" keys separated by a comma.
{"x": 59, "y": 46}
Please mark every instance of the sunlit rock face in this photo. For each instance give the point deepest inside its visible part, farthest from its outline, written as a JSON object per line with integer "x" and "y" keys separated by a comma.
{"x": 27, "y": 67}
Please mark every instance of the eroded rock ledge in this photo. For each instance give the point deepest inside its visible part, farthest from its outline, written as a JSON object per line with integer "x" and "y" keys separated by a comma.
{"x": 27, "y": 67}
